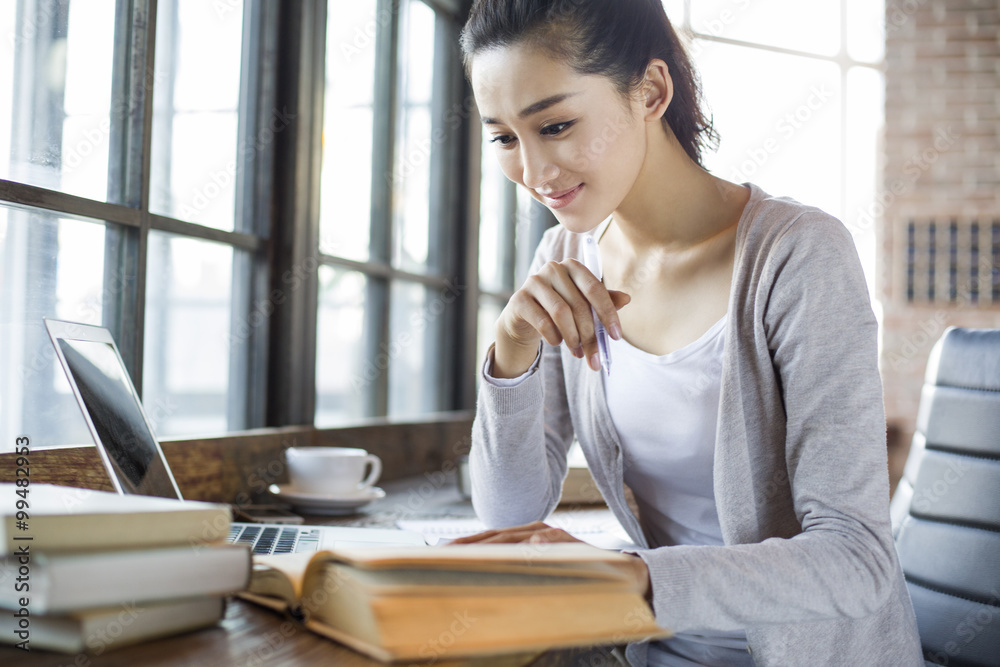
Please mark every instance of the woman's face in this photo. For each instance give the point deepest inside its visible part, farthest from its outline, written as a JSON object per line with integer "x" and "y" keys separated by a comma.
{"x": 572, "y": 140}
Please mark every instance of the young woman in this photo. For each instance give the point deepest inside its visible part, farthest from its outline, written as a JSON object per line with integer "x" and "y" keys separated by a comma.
{"x": 743, "y": 407}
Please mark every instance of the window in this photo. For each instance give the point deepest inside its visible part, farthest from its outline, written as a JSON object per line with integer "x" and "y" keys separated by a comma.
{"x": 796, "y": 91}
{"x": 295, "y": 226}
{"x": 130, "y": 197}
{"x": 392, "y": 231}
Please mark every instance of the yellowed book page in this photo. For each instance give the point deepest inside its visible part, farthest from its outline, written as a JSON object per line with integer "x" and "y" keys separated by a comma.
{"x": 271, "y": 602}
{"x": 559, "y": 558}
{"x": 461, "y": 582}
{"x": 281, "y": 575}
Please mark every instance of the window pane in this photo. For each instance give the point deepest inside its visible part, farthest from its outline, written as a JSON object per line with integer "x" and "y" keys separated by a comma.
{"x": 411, "y": 175}
{"x": 49, "y": 267}
{"x": 493, "y": 218}
{"x": 55, "y": 83}
{"x": 413, "y": 352}
{"x": 187, "y": 334}
{"x": 812, "y": 26}
{"x": 781, "y": 131}
{"x": 866, "y": 29}
{"x": 345, "y": 213}
{"x": 343, "y": 375}
{"x": 196, "y": 111}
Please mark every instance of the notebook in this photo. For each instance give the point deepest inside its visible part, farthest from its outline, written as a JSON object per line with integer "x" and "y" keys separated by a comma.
{"x": 135, "y": 461}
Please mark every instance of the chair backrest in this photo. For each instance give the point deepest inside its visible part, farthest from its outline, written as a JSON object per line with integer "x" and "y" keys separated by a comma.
{"x": 946, "y": 510}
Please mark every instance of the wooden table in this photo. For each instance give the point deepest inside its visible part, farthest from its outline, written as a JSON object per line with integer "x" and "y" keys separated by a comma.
{"x": 251, "y": 636}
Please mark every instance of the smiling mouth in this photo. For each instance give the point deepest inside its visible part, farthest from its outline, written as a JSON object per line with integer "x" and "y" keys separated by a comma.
{"x": 562, "y": 198}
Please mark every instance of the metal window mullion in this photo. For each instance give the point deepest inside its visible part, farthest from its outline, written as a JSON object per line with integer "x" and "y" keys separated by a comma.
{"x": 463, "y": 181}
{"x": 162, "y": 223}
{"x": 444, "y": 232}
{"x": 471, "y": 151}
{"x": 250, "y": 304}
{"x": 837, "y": 58}
{"x": 385, "y": 272}
{"x": 125, "y": 245}
{"x": 378, "y": 301}
{"x": 295, "y": 226}
{"x": 71, "y": 206}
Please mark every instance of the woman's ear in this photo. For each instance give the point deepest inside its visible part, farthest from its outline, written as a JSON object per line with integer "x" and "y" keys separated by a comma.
{"x": 657, "y": 89}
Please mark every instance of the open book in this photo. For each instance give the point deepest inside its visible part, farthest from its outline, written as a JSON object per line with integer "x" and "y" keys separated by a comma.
{"x": 406, "y": 603}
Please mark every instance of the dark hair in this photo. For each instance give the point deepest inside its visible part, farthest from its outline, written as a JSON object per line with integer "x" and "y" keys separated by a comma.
{"x": 612, "y": 38}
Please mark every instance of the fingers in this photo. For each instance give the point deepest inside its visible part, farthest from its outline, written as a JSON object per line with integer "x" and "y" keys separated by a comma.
{"x": 620, "y": 299}
{"x": 600, "y": 298}
{"x": 541, "y": 536}
{"x": 558, "y": 304}
{"x": 571, "y": 282}
{"x": 533, "y": 533}
{"x": 602, "y": 303}
{"x": 555, "y": 292}
{"x": 488, "y": 534}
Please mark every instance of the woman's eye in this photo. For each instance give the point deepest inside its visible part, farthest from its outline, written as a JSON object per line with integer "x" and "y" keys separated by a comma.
{"x": 552, "y": 130}
{"x": 502, "y": 139}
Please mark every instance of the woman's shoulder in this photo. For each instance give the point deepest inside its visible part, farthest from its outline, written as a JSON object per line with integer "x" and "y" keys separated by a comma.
{"x": 773, "y": 224}
{"x": 775, "y": 216}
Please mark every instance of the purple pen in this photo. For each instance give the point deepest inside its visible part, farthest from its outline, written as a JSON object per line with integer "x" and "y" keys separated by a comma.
{"x": 592, "y": 260}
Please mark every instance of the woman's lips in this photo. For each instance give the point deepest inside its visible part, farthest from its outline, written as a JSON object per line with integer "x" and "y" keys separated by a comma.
{"x": 561, "y": 199}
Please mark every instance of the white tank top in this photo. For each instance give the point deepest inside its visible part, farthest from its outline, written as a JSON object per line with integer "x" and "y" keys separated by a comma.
{"x": 665, "y": 409}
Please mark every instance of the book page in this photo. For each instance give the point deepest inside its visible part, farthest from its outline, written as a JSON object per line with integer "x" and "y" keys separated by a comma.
{"x": 280, "y": 576}
{"x": 597, "y": 527}
{"x": 558, "y": 559}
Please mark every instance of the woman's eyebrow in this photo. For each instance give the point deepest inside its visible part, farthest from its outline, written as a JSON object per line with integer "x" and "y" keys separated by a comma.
{"x": 532, "y": 109}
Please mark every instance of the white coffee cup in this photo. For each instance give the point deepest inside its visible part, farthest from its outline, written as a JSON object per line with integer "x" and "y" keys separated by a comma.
{"x": 332, "y": 471}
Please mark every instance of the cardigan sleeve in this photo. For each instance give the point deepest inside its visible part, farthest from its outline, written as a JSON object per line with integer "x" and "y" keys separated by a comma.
{"x": 821, "y": 336}
{"x": 521, "y": 436}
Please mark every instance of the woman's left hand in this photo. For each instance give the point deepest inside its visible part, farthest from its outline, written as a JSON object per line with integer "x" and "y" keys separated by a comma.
{"x": 539, "y": 533}
{"x": 533, "y": 533}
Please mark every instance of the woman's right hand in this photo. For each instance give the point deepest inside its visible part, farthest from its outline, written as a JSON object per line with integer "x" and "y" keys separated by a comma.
{"x": 554, "y": 304}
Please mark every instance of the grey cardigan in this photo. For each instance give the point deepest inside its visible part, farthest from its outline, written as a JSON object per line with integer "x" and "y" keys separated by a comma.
{"x": 809, "y": 568}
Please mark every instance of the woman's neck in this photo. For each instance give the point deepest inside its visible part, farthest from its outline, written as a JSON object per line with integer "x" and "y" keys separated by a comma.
{"x": 676, "y": 205}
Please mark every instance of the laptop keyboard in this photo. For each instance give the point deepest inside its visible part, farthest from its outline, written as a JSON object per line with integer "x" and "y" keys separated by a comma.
{"x": 265, "y": 540}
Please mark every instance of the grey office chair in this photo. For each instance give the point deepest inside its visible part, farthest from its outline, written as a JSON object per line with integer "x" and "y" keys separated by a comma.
{"x": 947, "y": 508}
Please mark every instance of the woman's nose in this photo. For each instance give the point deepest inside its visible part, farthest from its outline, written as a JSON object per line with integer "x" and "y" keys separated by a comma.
{"x": 537, "y": 167}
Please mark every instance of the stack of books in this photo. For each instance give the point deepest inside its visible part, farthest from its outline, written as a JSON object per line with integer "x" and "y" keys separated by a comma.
{"x": 91, "y": 571}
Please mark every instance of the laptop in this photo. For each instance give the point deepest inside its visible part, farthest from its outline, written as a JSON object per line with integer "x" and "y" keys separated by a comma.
{"x": 135, "y": 461}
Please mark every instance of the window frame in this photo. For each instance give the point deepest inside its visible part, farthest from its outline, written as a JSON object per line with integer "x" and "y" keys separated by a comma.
{"x": 276, "y": 229}
{"x": 844, "y": 62}
{"x": 129, "y": 223}
{"x": 453, "y": 243}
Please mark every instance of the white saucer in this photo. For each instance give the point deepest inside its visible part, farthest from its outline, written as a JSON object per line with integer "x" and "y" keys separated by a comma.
{"x": 312, "y": 503}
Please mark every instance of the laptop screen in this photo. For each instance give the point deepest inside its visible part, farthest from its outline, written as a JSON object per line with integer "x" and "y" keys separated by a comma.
{"x": 118, "y": 422}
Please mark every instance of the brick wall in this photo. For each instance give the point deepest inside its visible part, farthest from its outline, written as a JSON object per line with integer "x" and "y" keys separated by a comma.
{"x": 941, "y": 167}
